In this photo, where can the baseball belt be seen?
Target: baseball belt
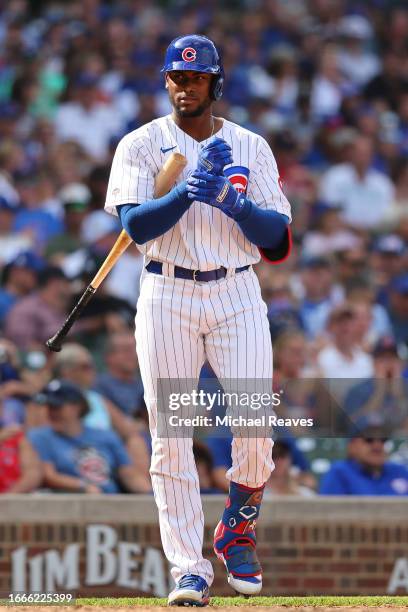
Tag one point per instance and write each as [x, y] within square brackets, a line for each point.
[156, 267]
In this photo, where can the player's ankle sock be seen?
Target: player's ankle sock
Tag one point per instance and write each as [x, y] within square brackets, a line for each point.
[242, 507]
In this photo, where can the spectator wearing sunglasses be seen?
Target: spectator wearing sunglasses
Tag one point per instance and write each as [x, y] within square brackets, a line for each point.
[366, 470]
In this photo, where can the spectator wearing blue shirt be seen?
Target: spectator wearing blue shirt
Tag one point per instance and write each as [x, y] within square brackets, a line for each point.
[76, 365]
[320, 294]
[398, 308]
[19, 278]
[121, 382]
[366, 470]
[77, 458]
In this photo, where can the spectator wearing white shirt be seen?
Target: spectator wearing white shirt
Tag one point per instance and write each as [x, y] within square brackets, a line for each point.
[328, 235]
[343, 357]
[326, 94]
[364, 193]
[87, 120]
[356, 62]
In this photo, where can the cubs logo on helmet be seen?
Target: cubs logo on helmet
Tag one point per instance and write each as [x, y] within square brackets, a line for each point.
[238, 177]
[196, 53]
[189, 54]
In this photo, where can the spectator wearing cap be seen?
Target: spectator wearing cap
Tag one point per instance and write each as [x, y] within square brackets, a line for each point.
[77, 458]
[343, 358]
[363, 193]
[387, 261]
[75, 198]
[383, 396]
[19, 278]
[11, 243]
[20, 467]
[320, 294]
[36, 317]
[366, 470]
[356, 61]
[87, 120]
[75, 364]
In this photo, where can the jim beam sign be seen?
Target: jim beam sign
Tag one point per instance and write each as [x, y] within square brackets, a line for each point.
[108, 562]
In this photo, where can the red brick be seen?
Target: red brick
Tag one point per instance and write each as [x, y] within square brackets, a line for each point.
[290, 581]
[369, 552]
[284, 552]
[345, 568]
[378, 583]
[292, 566]
[318, 583]
[319, 552]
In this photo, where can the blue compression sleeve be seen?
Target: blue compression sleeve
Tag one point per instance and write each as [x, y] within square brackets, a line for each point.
[153, 218]
[265, 228]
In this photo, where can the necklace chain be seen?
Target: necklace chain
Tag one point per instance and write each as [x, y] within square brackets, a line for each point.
[213, 126]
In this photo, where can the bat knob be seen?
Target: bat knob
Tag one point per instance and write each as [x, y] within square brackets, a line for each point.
[53, 345]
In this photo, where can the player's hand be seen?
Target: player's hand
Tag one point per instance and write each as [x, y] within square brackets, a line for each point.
[214, 190]
[214, 156]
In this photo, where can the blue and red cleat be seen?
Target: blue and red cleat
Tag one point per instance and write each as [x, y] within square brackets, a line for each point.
[191, 590]
[235, 540]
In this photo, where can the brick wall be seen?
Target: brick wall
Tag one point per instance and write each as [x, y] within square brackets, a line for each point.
[320, 546]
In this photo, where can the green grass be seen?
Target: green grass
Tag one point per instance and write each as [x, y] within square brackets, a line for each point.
[372, 601]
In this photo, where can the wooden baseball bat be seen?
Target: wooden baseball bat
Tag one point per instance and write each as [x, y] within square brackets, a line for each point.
[165, 180]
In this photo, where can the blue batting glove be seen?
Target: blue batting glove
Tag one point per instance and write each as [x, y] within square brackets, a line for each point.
[214, 156]
[216, 191]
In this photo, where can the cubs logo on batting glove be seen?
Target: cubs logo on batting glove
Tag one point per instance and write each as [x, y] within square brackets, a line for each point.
[216, 191]
[214, 156]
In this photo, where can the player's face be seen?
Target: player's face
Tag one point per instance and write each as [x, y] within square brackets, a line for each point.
[189, 92]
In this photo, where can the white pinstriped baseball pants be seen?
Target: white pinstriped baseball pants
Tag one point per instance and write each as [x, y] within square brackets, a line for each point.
[179, 323]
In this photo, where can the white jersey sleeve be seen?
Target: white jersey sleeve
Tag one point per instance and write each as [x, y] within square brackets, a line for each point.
[132, 175]
[264, 187]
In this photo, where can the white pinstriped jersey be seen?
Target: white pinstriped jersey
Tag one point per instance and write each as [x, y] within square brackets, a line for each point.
[204, 238]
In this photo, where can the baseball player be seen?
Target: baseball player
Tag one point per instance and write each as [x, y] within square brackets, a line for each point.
[200, 299]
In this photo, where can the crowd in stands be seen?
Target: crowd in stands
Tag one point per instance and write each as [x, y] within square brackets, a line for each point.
[326, 83]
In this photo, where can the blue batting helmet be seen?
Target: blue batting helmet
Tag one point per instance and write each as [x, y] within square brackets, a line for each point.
[198, 53]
